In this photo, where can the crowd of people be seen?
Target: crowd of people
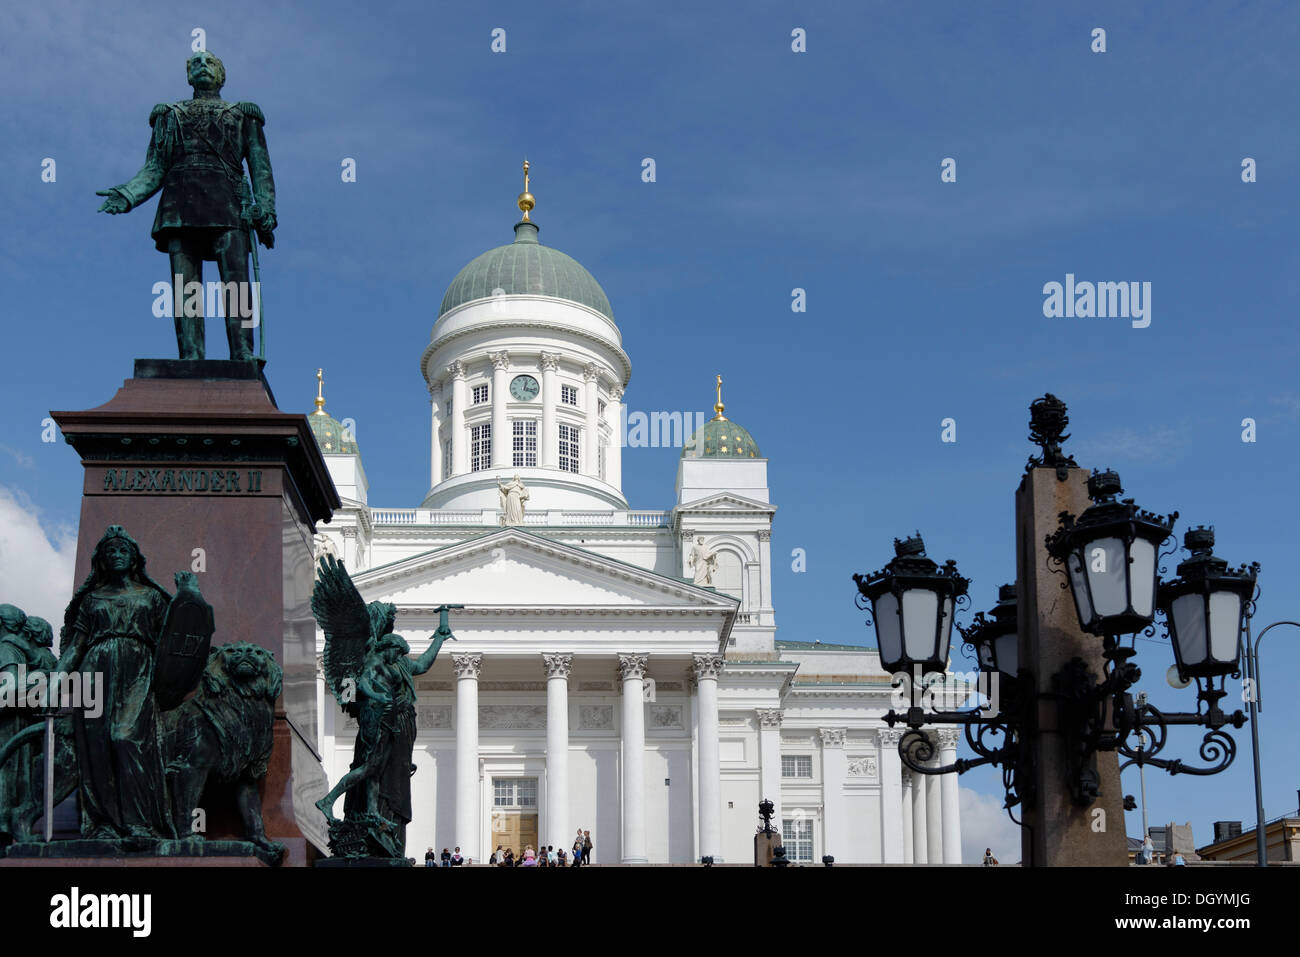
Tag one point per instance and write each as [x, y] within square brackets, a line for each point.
[548, 856]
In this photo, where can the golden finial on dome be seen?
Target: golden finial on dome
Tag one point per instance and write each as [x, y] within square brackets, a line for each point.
[526, 199]
[718, 406]
[320, 392]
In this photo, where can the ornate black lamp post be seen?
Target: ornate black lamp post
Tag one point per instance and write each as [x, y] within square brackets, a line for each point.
[1109, 557]
[912, 600]
[995, 640]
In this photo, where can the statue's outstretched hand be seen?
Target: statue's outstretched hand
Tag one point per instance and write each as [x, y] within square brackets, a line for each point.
[116, 202]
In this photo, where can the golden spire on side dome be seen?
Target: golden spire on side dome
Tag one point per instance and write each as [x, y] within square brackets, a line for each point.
[320, 392]
[526, 199]
[718, 406]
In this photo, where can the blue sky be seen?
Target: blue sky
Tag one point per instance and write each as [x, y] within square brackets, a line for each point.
[775, 170]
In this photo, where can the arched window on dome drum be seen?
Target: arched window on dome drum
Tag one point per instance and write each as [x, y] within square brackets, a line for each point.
[569, 448]
[480, 447]
[446, 459]
[728, 577]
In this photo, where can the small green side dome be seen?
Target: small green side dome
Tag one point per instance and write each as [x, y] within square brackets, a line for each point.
[723, 439]
[331, 436]
[526, 267]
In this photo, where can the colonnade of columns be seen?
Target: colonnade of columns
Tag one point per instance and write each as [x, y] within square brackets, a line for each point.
[555, 828]
[920, 815]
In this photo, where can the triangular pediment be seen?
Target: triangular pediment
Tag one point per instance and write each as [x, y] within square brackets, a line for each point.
[727, 502]
[514, 568]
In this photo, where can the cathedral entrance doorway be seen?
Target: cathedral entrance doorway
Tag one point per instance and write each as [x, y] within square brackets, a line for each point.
[514, 814]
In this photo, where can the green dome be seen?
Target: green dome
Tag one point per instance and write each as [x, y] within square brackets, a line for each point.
[332, 438]
[721, 439]
[526, 267]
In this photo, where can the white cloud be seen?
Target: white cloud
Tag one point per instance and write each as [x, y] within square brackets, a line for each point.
[985, 824]
[1158, 445]
[23, 459]
[36, 566]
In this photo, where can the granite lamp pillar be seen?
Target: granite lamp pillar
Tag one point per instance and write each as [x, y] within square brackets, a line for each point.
[1057, 831]
[196, 462]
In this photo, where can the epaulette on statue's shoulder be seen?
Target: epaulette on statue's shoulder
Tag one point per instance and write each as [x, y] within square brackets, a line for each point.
[251, 109]
[158, 111]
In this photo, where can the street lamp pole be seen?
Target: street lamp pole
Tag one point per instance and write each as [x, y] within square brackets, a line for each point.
[1256, 705]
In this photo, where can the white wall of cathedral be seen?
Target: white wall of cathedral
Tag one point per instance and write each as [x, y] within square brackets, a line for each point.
[700, 478]
[349, 477]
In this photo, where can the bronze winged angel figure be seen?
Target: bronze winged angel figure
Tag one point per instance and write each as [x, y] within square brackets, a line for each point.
[369, 671]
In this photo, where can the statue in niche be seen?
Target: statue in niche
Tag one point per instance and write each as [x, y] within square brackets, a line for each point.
[703, 562]
[371, 674]
[513, 495]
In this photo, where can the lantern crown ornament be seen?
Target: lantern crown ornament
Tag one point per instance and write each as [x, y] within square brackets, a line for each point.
[1048, 418]
[1205, 608]
[912, 601]
[1109, 554]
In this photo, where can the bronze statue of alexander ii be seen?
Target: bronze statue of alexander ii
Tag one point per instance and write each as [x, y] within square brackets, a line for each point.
[207, 211]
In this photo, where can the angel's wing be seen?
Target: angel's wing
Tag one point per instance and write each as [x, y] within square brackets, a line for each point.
[341, 612]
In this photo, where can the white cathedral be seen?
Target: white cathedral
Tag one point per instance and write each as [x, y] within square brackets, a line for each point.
[616, 670]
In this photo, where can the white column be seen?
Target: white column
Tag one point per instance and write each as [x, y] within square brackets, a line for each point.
[591, 436]
[920, 852]
[890, 767]
[435, 443]
[459, 441]
[695, 767]
[769, 758]
[632, 669]
[907, 816]
[934, 814]
[501, 440]
[835, 770]
[550, 438]
[557, 750]
[763, 601]
[707, 669]
[467, 796]
[614, 453]
[948, 789]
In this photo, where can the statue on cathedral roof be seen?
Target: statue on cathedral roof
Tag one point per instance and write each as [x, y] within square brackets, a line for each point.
[513, 495]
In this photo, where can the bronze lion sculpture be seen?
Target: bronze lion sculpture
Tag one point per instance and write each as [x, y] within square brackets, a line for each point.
[223, 733]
